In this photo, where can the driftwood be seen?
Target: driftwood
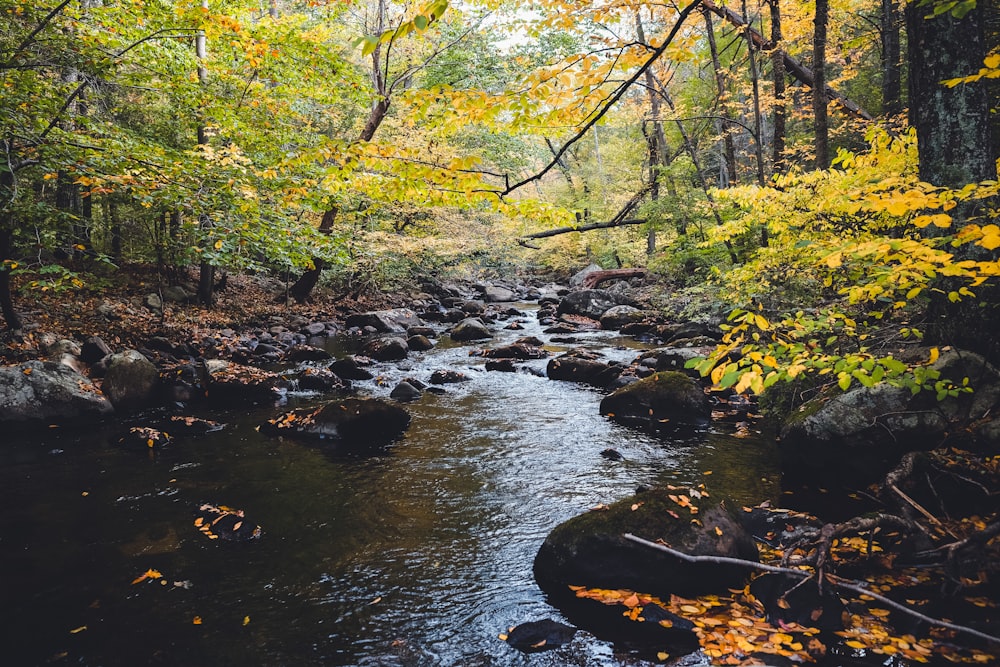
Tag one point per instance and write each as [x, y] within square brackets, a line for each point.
[792, 66]
[594, 279]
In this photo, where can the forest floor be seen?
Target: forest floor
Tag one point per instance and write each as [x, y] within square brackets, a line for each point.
[115, 310]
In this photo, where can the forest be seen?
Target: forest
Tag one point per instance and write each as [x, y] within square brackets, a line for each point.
[804, 193]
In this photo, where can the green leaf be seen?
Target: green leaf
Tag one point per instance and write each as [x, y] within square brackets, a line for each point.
[421, 22]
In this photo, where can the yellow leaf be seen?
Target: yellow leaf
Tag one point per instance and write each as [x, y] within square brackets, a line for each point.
[834, 260]
[502, 636]
[935, 353]
[718, 531]
[661, 656]
[992, 61]
[246, 621]
[77, 630]
[196, 620]
[761, 322]
[218, 244]
[854, 644]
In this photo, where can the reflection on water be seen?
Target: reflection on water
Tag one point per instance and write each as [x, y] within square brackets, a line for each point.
[419, 556]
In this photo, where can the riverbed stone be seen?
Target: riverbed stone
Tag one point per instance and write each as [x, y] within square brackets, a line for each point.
[237, 383]
[405, 392]
[448, 377]
[616, 317]
[322, 379]
[131, 381]
[501, 365]
[664, 398]
[497, 294]
[302, 352]
[577, 279]
[370, 422]
[583, 366]
[471, 328]
[394, 320]
[350, 368]
[589, 550]
[387, 348]
[590, 303]
[419, 343]
[93, 350]
[42, 392]
[543, 635]
[518, 350]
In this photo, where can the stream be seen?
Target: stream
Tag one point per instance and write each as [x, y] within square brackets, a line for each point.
[420, 555]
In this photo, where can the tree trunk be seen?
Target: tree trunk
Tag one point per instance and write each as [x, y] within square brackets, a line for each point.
[778, 78]
[820, 124]
[758, 138]
[892, 103]
[729, 150]
[656, 141]
[953, 126]
[303, 287]
[10, 315]
[115, 223]
[206, 273]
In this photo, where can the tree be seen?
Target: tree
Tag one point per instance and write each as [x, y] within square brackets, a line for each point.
[820, 125]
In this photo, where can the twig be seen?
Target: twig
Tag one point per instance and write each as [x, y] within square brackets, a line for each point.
[846, 584]
[917, 506]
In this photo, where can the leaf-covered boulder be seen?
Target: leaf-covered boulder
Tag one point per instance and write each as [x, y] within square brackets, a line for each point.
[349, 368]
[543, 635]
[237, 383]
[131, 381]
[616, 317]
[395, 320]
[364, 421]
[38, 392]
[589, 550]
[664, 398]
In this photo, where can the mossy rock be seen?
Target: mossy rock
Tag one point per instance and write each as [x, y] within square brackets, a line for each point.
[369, 422]
[662, 399]
[590, 550]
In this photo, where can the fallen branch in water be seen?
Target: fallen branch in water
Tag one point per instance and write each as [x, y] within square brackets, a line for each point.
[846, 584]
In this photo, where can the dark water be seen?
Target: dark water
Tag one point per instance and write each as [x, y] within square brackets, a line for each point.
[419, 556]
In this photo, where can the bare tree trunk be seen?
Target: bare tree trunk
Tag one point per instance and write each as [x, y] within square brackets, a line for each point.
[656, 140]
[778, 77]
[729, 150]
[10, 314]
[206, 273]
[115, 227]
[820, 123]
[758, 139]
[892, 103]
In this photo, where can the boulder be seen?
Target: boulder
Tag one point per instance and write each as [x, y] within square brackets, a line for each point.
[364, 421]
[322, 379]
[582, 274]
[422, 330]
[616, 317]
[543, 635]
[43, 392]
[583, 366]
[591, 303]
[405, 392]
[419, 343]
[674, 358]
[589, 550]
[496, 294]
[471, 328]
[131, 381]
[501, 365]
[176, 294]
[664, 398]
[388, 348]
[518, 350]
[395, 320]
[349, 369]
[301, 352]
[448, 377]
[236, 383]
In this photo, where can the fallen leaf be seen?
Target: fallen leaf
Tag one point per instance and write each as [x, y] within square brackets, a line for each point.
[77, 630]
[246, 621]
[539, 644]
[196, 620]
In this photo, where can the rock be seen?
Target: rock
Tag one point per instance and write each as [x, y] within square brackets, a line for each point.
[589, 550]
[472, 307]
[349, 369]
[674, 358]
[684, 330]
[364, 421]
[583, 366]
[496, 294]
[176, 294]
[301, 352]
[388, 348]
[668, 397]
[93, 350]
[419, 343]
[405, 392]
[470, 329]
[395, 320]
[219, 522]
[424, 331]
[516, 351]
[194, 425]
[612, 454]
[145, 437]
[314, 329]
[541, 635]
[38, 392]
[237, 383]
[131, 381]
[448, 377]
[502, 365]
[153, 302]
[591, 303]
[616, 317]
[322, 379]
[581, 275]
[74, 363]
[57, 348]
